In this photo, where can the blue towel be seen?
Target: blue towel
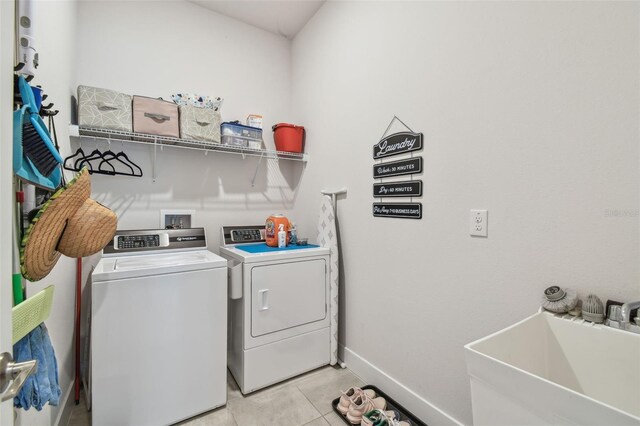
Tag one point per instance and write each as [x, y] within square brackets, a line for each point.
[41, 387]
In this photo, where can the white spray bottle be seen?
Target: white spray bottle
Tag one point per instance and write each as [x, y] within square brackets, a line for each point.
[282, 236]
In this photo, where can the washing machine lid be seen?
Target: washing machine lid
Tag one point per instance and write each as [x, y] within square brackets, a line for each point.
[121, 267]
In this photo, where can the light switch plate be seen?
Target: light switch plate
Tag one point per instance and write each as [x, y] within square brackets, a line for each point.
[478, 223]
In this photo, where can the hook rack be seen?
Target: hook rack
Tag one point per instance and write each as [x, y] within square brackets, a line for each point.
[45, 110]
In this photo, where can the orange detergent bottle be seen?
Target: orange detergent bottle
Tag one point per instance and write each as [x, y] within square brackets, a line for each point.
[272, 226]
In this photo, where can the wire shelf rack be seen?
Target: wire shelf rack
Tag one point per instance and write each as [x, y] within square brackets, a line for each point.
[164, 141]
[155, 141]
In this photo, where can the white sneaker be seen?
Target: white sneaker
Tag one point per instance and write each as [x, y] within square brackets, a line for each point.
[363, 404]
[348, 396]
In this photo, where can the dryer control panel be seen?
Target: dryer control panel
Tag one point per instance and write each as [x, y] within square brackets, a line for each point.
[243, 234]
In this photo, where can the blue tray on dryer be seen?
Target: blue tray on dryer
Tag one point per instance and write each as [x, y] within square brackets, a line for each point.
[263, 248]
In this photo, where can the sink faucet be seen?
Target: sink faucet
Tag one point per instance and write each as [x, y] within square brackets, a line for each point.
[620, 317]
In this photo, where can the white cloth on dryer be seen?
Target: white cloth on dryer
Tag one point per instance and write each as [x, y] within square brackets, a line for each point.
[328, 237]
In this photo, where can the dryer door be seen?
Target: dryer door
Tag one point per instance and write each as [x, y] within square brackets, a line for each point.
[287, 295]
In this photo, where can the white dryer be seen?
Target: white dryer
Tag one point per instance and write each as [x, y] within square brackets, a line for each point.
[158, 328]
[278, 308]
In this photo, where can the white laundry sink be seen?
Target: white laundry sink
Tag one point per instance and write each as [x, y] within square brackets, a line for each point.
[552, 369]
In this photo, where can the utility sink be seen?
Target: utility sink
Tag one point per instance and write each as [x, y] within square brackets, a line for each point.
[555, 369]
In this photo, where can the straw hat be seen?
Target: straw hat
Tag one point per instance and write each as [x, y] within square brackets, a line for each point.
[70, 223]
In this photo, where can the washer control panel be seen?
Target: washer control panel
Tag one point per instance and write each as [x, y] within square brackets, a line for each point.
[141, 240]
[137, 241]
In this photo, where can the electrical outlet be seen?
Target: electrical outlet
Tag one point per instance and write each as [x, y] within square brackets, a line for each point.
[478, 224]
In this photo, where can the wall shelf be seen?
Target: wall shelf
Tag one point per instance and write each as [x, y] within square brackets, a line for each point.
[164, 141]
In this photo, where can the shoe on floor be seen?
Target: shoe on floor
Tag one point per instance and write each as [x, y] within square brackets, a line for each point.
[348, 396]
[378, 417]
[383, 418]
[363, 404]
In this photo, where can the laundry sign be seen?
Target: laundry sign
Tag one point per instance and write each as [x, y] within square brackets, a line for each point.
[399, 210]
[397, 168]
[412, 188]
[397, 143]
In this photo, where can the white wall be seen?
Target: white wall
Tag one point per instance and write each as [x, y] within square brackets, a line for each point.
[162, 47]
[529, 110]
[56, 25]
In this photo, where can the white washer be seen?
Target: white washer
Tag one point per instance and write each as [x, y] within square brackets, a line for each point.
[278, 308]
[158, 328]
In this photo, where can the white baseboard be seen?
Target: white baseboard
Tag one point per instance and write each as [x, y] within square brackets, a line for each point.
[64, 415]
[413, 402]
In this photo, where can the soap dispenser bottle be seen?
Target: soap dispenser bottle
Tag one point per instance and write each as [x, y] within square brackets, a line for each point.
[293, 235]
[282, 236]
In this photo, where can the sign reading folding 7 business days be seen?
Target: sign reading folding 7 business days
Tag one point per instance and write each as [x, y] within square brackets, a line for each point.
[397, 143]
[399, 210]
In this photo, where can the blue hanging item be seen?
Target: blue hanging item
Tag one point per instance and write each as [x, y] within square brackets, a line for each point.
[42, 387]
[35, 158]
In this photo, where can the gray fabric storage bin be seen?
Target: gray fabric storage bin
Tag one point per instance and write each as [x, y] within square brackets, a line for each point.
[104, 109]
[200, 124]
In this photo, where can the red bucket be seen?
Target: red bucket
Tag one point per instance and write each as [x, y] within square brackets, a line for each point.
[288, 137]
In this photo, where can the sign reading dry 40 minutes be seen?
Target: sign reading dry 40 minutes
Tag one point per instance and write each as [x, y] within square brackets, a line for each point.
[397, 143]
[411, 188]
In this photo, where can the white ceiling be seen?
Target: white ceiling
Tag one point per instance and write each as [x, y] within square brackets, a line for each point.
[282, 17]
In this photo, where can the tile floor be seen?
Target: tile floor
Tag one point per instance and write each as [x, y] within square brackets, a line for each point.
[303, 400]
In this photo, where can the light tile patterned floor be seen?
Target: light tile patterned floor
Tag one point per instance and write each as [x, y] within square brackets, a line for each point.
[302, 401]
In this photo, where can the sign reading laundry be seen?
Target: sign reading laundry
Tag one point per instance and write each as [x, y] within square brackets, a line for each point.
[411, 188]
[397, 143]
[400, 210]
[398, 168]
